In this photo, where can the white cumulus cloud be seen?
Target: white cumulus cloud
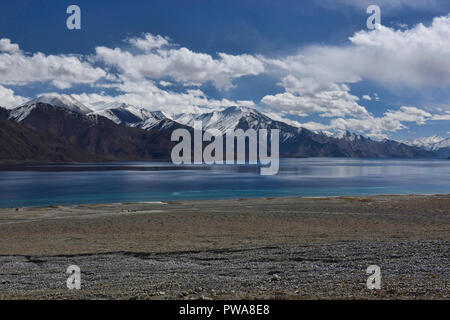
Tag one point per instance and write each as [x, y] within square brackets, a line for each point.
[17, 68]
[9, 99]
[417, 57]
[306, 95]
[391, 121]
[7, 46]
[148, 42]
[147, 95]
[181, 64]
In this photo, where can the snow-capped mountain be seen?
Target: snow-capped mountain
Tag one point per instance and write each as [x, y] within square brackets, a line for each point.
[18, 114]
[233, 118]
[96, 137]
[132, 116]
[221, 120]
[125, 114]
[443, 144]
[226, 119]
[158, 121]
[64, 101]
[432, 143]
[346, 135]
[61, 100]
[66, 117]
[296, 141]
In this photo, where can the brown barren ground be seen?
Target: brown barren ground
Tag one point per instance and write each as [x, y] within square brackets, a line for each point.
[283, 248]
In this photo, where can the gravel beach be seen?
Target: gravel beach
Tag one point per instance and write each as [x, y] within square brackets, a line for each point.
[276, 248]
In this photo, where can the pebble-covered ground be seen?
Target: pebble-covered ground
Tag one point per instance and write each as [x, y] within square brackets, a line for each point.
[315, 260]
[410, 270]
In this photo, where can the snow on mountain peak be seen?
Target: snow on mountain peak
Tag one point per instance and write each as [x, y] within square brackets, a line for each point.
[130, 115]
[65, 101]
[223, 120]
[60, 100]
[18, 114]
[347, 135]
[432, 143]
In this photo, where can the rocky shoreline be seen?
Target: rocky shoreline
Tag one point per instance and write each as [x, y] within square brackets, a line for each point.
[292, 248]
[334, 270]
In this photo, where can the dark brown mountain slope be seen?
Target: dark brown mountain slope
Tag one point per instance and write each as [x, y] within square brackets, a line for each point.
[19, 143]
[98, 135]
[4, 113]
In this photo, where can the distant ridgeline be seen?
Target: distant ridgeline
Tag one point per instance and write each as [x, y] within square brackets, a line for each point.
[58, 128]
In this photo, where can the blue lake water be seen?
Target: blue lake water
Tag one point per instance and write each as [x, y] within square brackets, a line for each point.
[162, 181]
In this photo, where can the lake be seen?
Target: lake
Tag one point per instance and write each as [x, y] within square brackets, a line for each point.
[163, 181]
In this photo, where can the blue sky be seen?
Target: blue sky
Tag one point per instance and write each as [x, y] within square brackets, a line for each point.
[291, 59]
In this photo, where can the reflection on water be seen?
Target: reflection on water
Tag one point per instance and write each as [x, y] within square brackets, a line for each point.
[162, 181]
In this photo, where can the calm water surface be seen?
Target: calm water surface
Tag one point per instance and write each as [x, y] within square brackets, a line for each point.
[162, 181]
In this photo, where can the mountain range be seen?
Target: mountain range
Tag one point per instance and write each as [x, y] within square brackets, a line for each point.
[129, 115]
[301, 142]
[99, 138]
[439, 145]
[19, 143]
[120, 131]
